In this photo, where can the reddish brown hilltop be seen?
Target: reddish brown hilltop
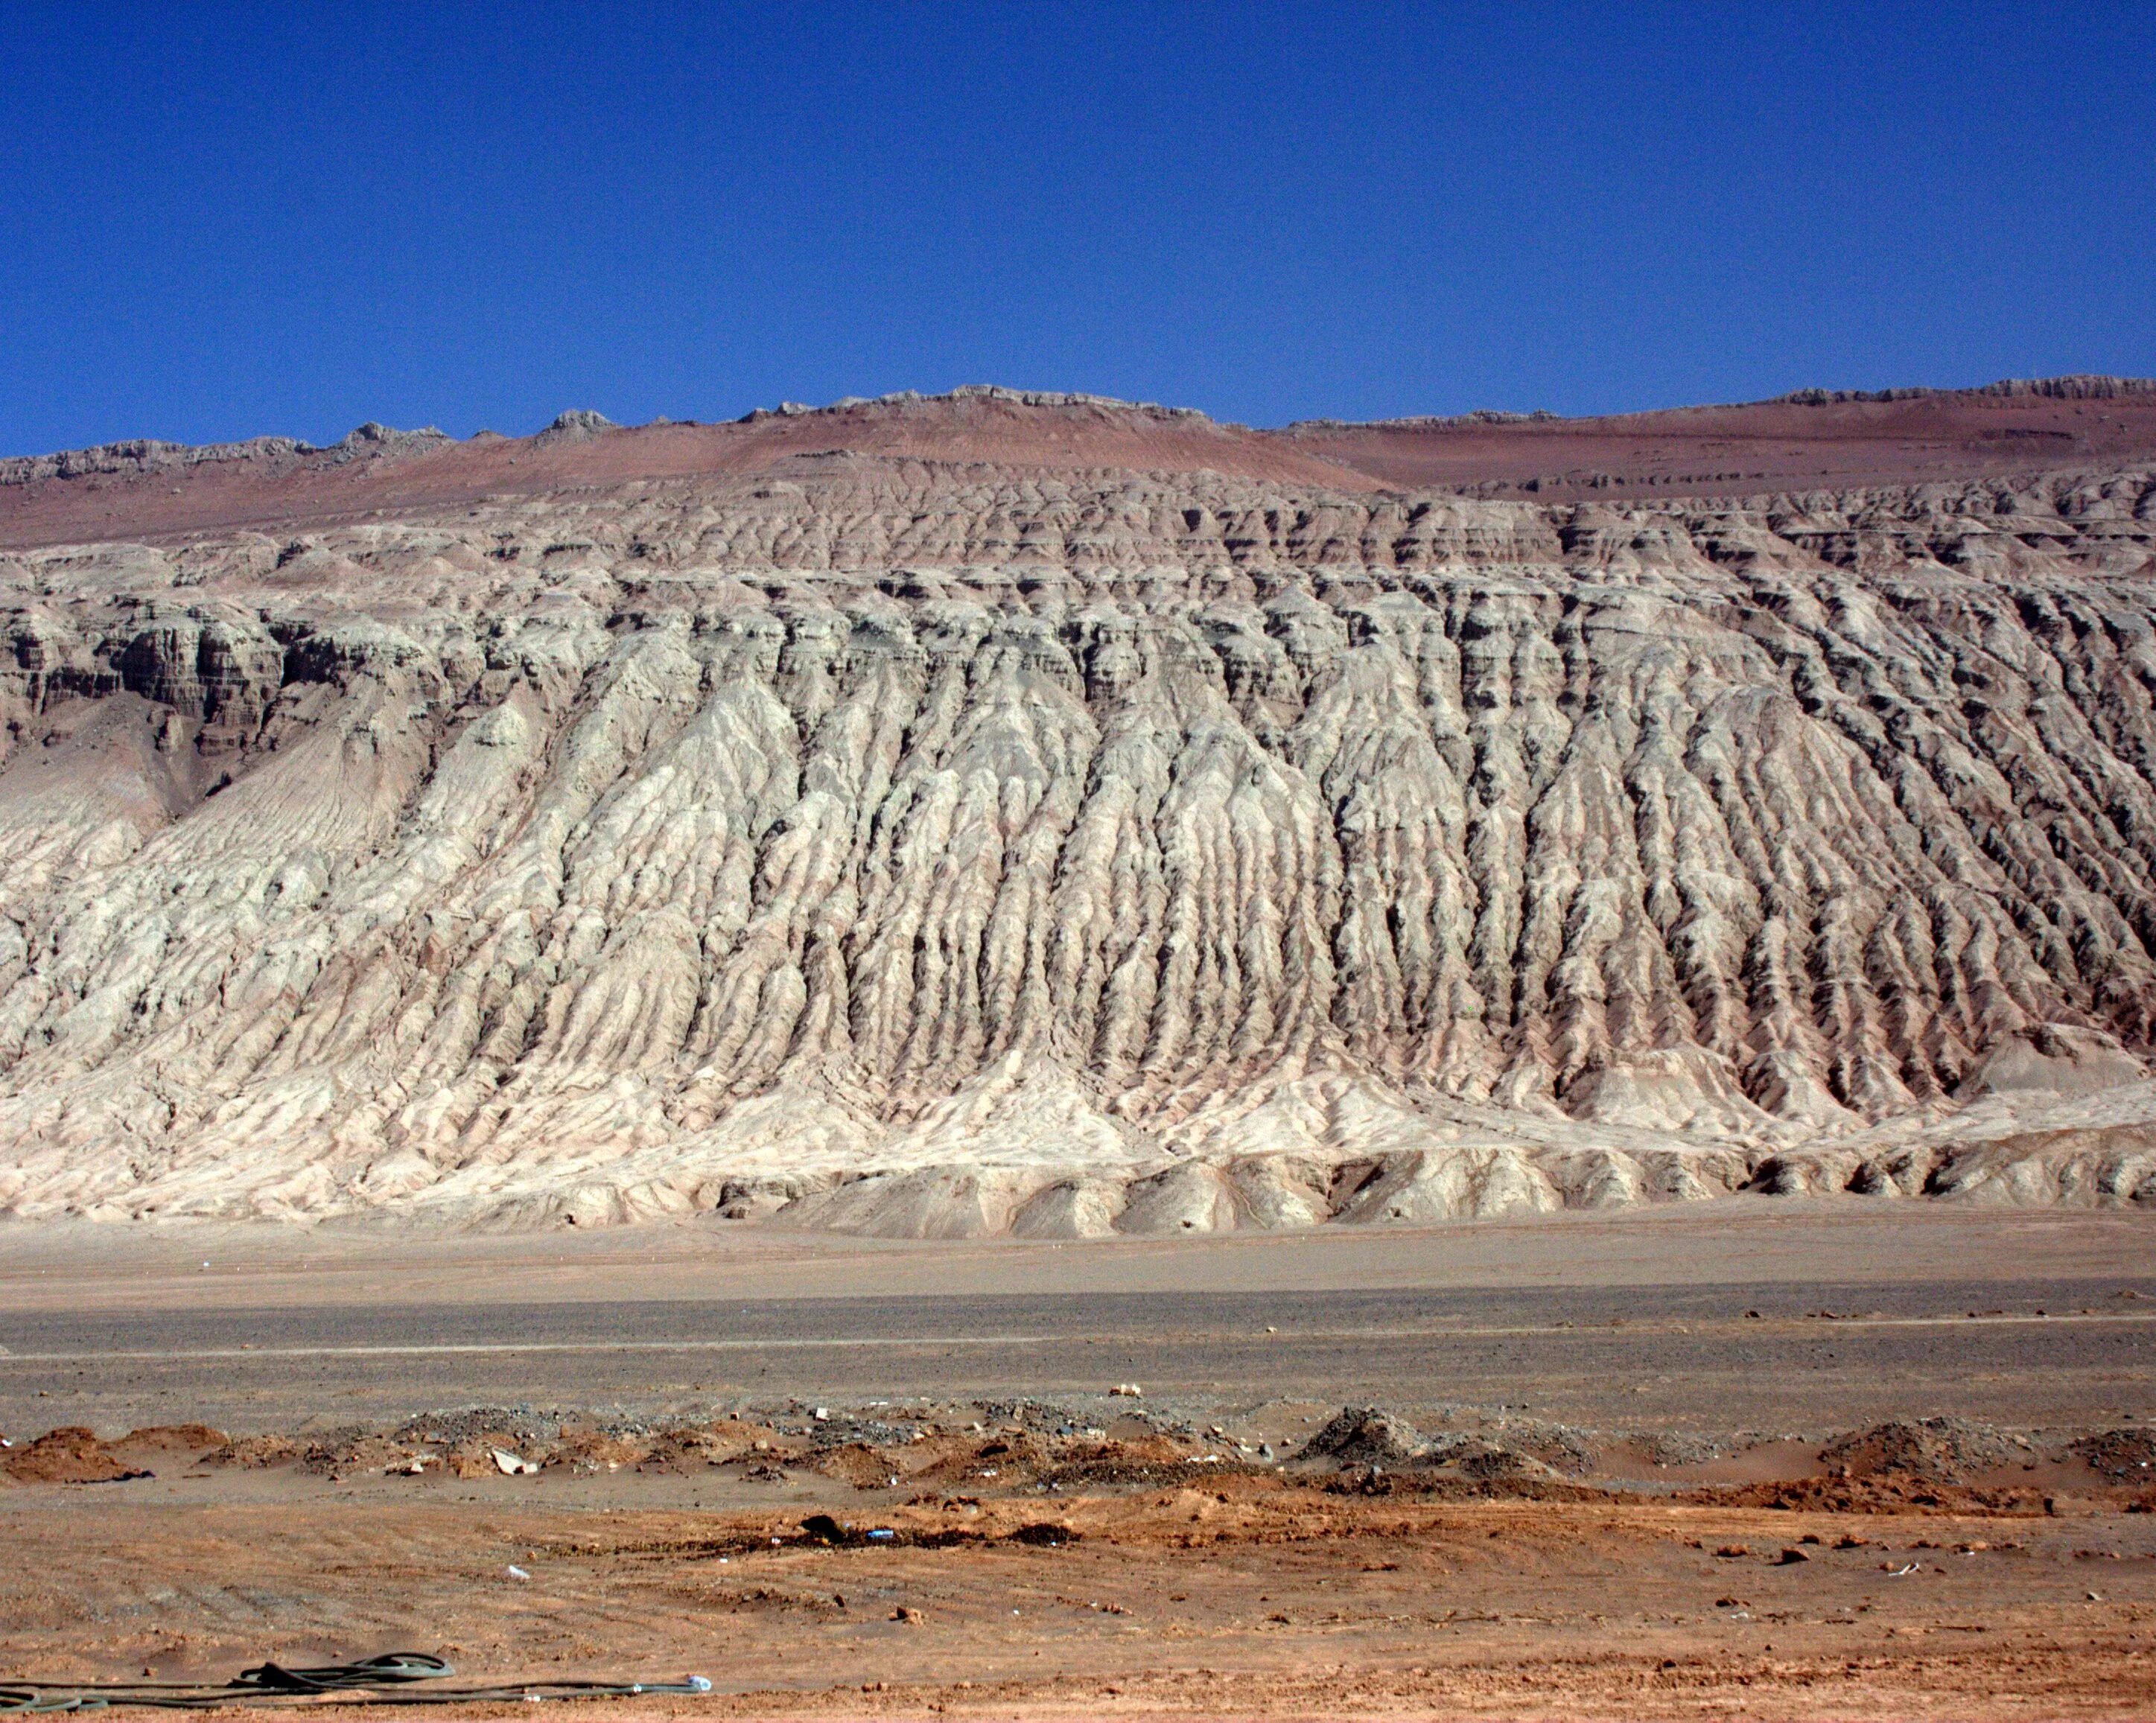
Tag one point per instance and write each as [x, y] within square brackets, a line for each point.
[1809, 441]
[150, 488]
[1813, 439]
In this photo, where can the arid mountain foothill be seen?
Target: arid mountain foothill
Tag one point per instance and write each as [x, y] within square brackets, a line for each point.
[1030, 814]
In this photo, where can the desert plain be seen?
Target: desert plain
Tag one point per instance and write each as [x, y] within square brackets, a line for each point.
[1546, 1468]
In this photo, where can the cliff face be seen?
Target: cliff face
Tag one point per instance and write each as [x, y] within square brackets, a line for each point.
[1082, 849]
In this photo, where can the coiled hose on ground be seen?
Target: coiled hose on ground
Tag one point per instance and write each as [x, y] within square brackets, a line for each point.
[374, 1681]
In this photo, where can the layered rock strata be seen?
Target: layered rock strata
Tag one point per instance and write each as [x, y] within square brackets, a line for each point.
[936, 849]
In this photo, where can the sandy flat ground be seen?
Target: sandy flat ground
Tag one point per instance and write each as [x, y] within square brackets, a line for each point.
[1243, 1591]
[1635, 1319]
[1787, 1240]
[1688, 1358]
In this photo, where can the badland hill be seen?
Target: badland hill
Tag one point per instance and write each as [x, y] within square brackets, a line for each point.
[1030, 812]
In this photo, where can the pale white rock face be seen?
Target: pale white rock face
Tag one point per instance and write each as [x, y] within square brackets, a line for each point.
[950, 852]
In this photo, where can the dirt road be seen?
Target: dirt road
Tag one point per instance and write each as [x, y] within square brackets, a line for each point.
[1689, 1357]
[1637, 1320]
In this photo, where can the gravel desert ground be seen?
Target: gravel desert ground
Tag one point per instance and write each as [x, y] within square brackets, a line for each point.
[1588, 1458]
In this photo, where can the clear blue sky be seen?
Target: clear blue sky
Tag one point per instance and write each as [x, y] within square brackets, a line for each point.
[220, 221]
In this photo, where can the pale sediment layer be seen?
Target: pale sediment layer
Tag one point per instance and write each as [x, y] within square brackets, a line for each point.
[952, 849]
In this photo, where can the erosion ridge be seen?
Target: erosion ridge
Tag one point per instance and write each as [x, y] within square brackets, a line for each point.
[961, 833]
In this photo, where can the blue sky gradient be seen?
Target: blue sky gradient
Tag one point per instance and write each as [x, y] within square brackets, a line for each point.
[219, 221]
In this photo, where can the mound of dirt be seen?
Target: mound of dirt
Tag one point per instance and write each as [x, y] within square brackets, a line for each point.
[1472, 1457]
[1501, 1482]
[1932, 1450]
[256, 1452]
[859, 1464]
[2123, 1456]
[1365, 1436]
[1144, 1459]
[1887, 1493]
[72, 1454]
[347, 1452]
[1007, 1457]
[590, 1450]
[681, 1449]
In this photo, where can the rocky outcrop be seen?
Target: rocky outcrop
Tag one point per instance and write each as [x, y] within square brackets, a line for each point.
[943, 850]
[149, 458]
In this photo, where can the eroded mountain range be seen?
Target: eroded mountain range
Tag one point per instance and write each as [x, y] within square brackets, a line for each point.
[1031, 813]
